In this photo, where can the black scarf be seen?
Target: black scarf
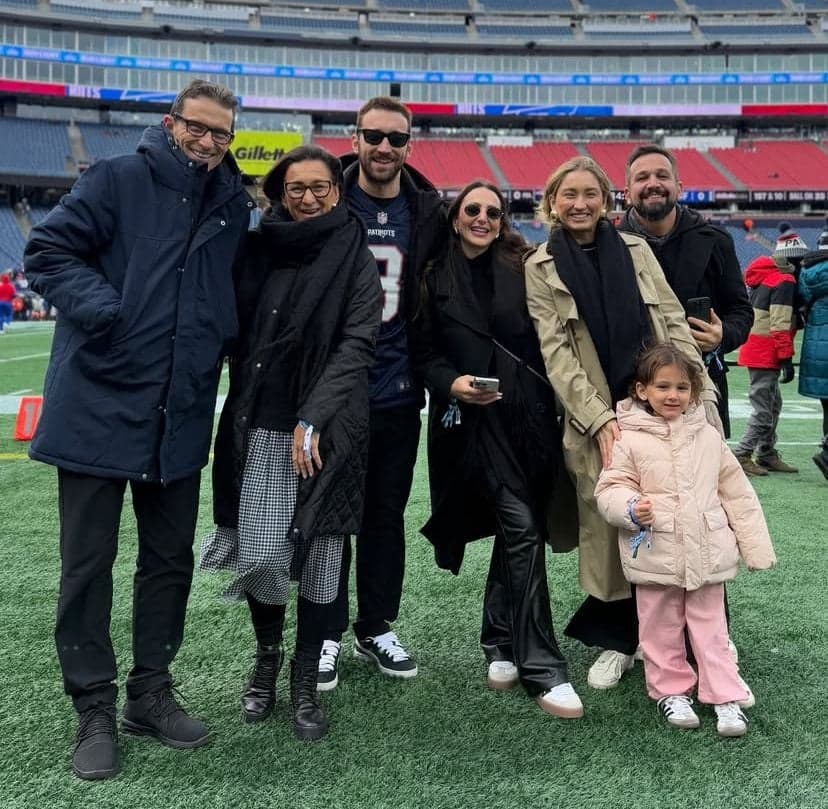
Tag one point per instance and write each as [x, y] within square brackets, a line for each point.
[608, 300]
[326, 249]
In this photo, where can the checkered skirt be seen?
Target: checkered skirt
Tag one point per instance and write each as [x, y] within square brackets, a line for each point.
[260, 553]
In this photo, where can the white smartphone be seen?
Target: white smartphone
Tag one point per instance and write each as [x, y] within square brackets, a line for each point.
[489, 384]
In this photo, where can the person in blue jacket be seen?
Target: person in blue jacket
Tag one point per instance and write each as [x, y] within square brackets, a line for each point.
[813, 363]
[138, 260]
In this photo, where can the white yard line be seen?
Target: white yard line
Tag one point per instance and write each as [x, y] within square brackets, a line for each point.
[25, 357]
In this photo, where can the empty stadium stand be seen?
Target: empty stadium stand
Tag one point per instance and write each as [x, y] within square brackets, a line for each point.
[41, 148]
[108, 141]
[780, 164]
[11, 239]
[450, 163]
[529, 166]
[612, 157]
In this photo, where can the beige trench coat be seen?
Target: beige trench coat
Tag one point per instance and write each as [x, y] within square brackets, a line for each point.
[574, 370]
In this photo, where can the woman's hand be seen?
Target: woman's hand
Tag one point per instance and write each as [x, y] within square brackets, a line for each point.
[463, 391]
[302, 463]
[606, 437]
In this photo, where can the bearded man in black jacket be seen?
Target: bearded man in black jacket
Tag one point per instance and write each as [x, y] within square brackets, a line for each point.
[698, 258]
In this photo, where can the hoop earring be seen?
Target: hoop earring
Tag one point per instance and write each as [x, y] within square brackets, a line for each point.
[553, 217]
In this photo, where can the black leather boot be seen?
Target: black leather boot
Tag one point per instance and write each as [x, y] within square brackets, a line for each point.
[259, 697]
[309, 721]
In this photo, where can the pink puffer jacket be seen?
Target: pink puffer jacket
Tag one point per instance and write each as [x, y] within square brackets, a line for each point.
[706, 512]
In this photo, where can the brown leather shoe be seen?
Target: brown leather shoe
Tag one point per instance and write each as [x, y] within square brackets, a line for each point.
[750, 468]
[774, 463]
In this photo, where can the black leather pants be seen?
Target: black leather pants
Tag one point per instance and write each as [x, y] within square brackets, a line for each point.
[517, 619]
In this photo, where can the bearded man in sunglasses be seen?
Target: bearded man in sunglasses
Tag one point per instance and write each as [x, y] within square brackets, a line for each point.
[138, 260]
[403, 214]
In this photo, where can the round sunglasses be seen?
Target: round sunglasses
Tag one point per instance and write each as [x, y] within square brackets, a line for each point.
[473, 210]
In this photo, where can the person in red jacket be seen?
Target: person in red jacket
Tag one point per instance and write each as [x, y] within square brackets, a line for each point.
[7, 295]
[768, 356]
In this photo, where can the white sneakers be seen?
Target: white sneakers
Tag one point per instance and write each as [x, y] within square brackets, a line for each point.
[561, 701]
[503, 675]
[607, 670]
[678, 711]
[730, 720]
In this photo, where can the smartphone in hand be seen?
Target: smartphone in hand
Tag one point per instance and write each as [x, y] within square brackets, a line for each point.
[698, 308]
[489, 384]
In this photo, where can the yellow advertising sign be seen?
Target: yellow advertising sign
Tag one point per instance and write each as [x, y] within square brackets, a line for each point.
[256, 151]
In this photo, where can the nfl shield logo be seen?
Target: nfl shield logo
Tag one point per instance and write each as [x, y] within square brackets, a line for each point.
[382, 217]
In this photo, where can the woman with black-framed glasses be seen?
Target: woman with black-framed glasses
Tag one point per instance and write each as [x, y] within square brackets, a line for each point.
[290, 451]
[493, 439]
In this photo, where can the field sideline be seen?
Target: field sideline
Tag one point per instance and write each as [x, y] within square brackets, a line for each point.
[442, 740]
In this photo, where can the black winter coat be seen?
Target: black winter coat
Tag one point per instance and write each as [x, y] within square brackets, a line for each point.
[138, 260]
[699, 260]
[451, 336]
[321, 338]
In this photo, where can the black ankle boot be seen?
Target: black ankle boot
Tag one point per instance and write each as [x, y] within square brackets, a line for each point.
[259, 697]
[309, 720]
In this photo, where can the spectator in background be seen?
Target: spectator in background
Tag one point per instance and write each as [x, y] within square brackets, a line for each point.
[7, 295]
[813, 365]
[138, 259]
[768, 355]
[697, 256]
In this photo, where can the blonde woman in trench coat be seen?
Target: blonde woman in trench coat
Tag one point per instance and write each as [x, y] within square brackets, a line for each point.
[588, 273]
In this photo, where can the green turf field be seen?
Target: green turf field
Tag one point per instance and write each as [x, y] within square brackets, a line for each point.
[442, 740]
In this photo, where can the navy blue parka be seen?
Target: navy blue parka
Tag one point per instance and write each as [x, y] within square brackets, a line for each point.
[138, 259]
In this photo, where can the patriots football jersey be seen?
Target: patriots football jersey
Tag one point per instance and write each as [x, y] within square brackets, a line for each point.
[388, 222]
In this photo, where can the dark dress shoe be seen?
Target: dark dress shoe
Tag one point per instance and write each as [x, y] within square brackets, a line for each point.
[259, 697]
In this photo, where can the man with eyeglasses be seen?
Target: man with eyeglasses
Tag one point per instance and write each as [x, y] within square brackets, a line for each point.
[403, 214]
[138, 260]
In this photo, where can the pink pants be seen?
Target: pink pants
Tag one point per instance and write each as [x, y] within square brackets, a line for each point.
[663, 612]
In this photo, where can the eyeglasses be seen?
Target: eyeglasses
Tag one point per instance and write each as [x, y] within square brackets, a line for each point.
[374, 137]
[473, 210]
[320, 189]
[221, 137]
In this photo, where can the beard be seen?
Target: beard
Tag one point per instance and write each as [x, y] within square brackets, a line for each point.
[655, 212]
[390, 173]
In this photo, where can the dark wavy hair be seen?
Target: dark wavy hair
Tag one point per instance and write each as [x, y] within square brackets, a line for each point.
[510, 246]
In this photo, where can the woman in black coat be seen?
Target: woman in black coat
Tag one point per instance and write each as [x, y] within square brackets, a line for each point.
[493, 452]
[289, 468]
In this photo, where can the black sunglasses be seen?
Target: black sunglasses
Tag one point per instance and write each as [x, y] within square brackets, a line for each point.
[221, 137]
[473, 209]
[374, 137]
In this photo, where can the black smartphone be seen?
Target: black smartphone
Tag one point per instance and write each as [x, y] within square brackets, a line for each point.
[699, 308]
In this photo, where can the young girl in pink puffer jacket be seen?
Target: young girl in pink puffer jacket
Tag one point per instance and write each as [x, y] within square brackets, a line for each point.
[686, 513]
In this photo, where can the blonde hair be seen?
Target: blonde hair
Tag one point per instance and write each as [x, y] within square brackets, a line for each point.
[544, 211]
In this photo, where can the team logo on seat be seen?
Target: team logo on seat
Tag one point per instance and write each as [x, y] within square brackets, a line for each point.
[382, 217]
